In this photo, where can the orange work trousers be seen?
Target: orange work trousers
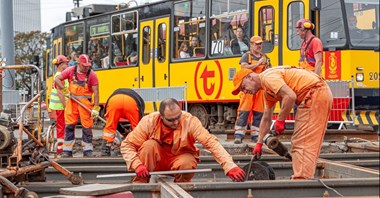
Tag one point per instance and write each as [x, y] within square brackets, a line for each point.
[158, 157]
[309, 130]
[73, 110]
[250, 111]
[120, 106]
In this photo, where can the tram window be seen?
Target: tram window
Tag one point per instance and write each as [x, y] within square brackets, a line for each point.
[332, 31]
[124, 22]
[124, 39]
[229, 24]
[74, 37]
[363, 23]
[295, 12]
[98, 52]
[190, 26]
[124, 50]
[98, 30]
[266, 27]
[161, 48]
[146, 45]
[116, 23]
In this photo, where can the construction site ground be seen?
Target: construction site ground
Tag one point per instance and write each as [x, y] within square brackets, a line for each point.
[348, 166]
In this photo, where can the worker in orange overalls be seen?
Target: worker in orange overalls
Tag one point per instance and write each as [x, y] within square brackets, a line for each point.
[249, 104]
[123, 103]
[58, 102]
[83, 83]
[165, 140]
[292, 85]
[311, 56]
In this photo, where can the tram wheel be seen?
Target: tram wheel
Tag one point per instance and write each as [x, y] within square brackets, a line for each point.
[200, 111]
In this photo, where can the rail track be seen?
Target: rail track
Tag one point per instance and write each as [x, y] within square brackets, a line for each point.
[332, 135]
[353, 174]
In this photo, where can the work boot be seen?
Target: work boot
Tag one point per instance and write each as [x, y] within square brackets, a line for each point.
[66, 154]
[106, 148]
[87, 153]
[254, 139]
[238, 140]
[254, 134]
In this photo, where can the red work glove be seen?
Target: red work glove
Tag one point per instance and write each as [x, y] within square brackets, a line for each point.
[236, 174]
[142, 171]
[279, 127]
[257, 150]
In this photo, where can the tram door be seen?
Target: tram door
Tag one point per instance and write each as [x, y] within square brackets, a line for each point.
[154, 50]
[57, 50]
[292, 12]
[266, 22]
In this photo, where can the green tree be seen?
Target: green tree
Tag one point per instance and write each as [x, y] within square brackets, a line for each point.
[27, 46]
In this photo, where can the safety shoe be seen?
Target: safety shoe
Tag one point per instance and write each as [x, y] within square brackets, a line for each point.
[238, 140]
[87, 154]
[106, 149]
[66, 154]
[254, 139]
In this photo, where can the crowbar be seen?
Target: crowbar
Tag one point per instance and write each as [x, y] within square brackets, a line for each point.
[85, 107]
[157, 173]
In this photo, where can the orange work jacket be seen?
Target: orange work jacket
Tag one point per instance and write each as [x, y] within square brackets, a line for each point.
[189, 130]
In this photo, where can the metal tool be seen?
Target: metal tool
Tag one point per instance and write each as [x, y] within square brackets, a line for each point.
[85, 107]
[274, 143]
[253, 157]
[249, 168]
[157, 173]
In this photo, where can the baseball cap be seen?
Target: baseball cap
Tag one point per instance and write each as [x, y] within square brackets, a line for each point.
[256, 39]
[238, 79]
[85, 60]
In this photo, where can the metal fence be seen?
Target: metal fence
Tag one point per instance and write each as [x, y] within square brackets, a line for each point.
[11, 96]
[10, 100]
[158, 94]
[343, 104]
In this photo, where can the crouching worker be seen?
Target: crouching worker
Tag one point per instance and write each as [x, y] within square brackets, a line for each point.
[123, 103]
[164, 141]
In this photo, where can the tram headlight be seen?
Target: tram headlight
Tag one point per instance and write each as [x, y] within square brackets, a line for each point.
[359, 77]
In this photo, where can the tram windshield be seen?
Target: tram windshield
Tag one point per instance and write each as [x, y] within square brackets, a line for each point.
[359, 26]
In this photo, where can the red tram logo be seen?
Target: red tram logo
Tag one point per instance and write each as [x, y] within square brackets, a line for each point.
[208, 80]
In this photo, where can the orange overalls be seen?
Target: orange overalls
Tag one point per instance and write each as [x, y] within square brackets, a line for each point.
[314, 100]
[307, 60]
[159, 148]
[250, 104]
[80, 91]
[123, 103]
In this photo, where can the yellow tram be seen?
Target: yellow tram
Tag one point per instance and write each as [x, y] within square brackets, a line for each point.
[139, 47]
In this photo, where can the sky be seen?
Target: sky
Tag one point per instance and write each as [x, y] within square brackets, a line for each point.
[53, 12]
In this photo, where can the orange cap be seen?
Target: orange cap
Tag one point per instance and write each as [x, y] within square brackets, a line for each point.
[256, 39]
[238, 79]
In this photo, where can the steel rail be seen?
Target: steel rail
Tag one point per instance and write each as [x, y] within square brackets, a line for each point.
[156, 173]
[349, 187]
